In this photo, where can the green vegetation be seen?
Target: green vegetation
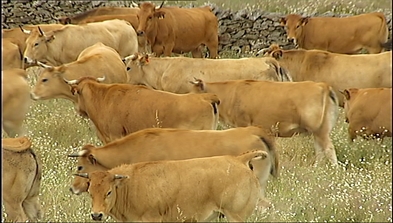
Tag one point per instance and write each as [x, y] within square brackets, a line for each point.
[359, 190]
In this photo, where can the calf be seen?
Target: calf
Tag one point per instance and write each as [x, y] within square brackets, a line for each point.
[185, 190]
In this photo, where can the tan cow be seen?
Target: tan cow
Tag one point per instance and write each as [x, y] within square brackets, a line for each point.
[95, 60]
[15, 100]
[177, 191]
[156, 144]
[178, 30]
[143, 46]
[63, 45]
[97, 12]
[21, 180]
[368, 112]
[12, 58]
[18, 36]
[339, 35]
[174, 73]
[120, 109]
[338, 70]
[287, 108]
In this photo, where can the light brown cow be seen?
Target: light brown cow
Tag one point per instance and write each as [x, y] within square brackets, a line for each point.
[339, 35]
[97, 12]
[18, 36]
[143, 46]
[174, 73]
[21, 180]
[156, 144]
[15, 100]
[177, 191]
[338, 70]
[284, 107]
[178, 30]
[95, 60]
[12, 58]
[120, 109]
[368, 112]
[49, 47]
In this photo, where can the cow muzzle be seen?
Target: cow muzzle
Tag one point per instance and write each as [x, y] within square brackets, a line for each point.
[33, 96]
[140, 32]
[97, 216]
[28, 60]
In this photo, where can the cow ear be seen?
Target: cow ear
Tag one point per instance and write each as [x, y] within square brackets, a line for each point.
[67, 21]
[159, 14]
[74, 90]
[346, 94]
[92, 159]
[283, 21]
[277, 54]
[304, 21]
[50, 38]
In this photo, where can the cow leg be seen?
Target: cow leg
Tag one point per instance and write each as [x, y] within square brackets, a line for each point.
[13, 208]
[324, 147]
[239, 217]
[374, 49]
[13, 128]
[197, 53]
[213, 49]
[32, 208]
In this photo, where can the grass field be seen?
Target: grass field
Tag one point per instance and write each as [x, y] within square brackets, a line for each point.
[359, 190]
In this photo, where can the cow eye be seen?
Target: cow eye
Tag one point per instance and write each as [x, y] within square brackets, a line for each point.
[297, 26]
[45, 80]
[109, 193]
[80, 168]
[35, 44]
[150, 17]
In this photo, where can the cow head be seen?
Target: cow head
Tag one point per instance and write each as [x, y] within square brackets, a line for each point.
[269, 50]
[50, 84]
[199, 86]
[147, 16]
[349, 95]
[36, 45]
[86, 163]
[103, 191]
[294, 24]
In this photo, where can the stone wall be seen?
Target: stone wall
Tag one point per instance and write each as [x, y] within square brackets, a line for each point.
[243, 31]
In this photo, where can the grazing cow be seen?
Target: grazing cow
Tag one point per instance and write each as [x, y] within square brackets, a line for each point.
[338, 70]
[18, 37]
[93, 61]
[156, 144]
[143, 46]
[15, 100]
[12, 58]
[347, 35]
[178, 30]
[174, 73]
[183, 190]
[287, 108]
[368, 112]
[97, 12]
[120, 109]
[49, 47]
[21, 180]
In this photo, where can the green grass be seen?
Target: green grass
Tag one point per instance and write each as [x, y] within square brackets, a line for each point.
[359, 190]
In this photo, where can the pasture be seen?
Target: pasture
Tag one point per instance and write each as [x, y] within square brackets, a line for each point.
[358, 190]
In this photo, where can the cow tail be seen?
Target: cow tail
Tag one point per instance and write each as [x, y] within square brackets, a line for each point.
[35, 187]
[384, 32]
[330, 106]
[282, 74]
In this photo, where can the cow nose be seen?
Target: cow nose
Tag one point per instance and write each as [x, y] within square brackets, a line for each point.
[140, 32]
[96, 216]
[25, 59]
[291, 40]
[128, 68]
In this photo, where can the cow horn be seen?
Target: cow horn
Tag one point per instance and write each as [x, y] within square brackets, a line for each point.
[162, 3]
[117, 176]
[100, 79]
[262, 51]
[78, 154]
[43, 65]
[70, 82]
[129, 57]
[23, 30]
[41, 32]
[85, 175]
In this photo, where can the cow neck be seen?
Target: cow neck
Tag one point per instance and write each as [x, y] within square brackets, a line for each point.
[153, 73]
[292, 61]
[121, 205]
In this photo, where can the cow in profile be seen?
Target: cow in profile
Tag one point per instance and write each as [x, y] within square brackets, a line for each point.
[285, 108]
[61, 46]
[348, 35]
[338, 70]
[174, 73]
[120, 109]
[98, 57]
[184, 190]
[21, 180]
[15, 100]
[368, 112]
[178, 30]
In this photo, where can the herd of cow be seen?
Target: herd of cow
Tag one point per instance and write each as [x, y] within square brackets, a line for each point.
[157, 116]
